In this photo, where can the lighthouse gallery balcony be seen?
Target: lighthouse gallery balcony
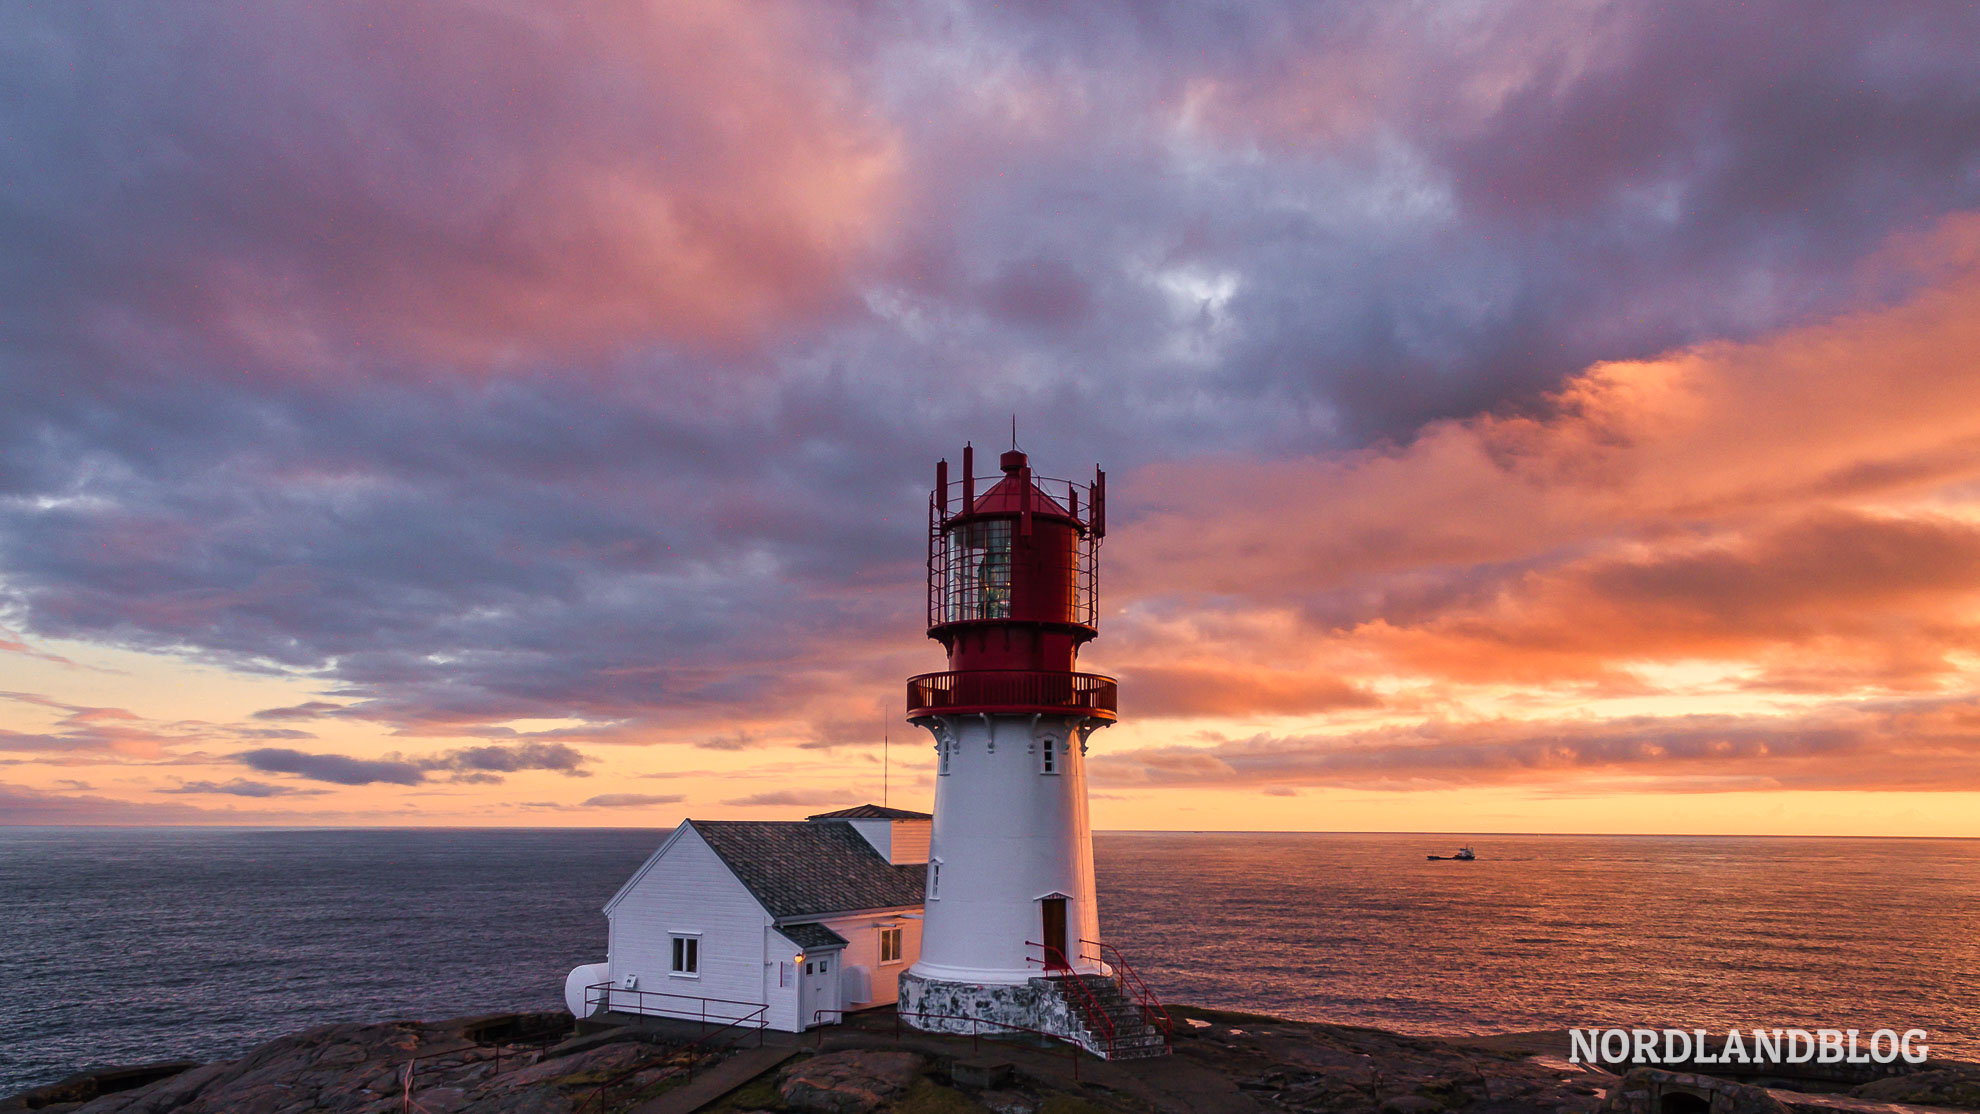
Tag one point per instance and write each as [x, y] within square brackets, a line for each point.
[1048, 692]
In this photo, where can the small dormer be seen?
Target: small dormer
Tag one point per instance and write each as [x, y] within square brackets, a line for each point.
[898, 834]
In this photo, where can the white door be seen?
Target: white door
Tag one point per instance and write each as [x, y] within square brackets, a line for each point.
[818, 989]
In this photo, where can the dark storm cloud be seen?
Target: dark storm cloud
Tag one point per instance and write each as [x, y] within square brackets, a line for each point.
[494, 366]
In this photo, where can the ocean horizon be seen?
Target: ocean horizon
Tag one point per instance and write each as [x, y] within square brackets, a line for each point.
[123, 945]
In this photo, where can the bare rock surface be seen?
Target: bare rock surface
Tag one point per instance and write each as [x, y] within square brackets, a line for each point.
[1300, 1067]
[856, 1081]
[373, 1069]
[1652, 1090]
[1955, 1087]
[1222, 1063]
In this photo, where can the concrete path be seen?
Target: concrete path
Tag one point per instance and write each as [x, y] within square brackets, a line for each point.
[717, 1081]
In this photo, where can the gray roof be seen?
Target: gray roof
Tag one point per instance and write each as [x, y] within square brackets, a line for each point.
[872, 812]
[812, 936]
[803, 868]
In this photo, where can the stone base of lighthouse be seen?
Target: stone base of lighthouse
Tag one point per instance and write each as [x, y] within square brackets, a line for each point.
[939, 1006]
[1086, 1009]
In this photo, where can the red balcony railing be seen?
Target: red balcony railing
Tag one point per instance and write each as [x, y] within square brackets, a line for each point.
[1013, 690]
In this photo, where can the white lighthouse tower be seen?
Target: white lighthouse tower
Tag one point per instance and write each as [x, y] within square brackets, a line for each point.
[1012, 935]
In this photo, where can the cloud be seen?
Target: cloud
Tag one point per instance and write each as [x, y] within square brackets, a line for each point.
[1753, 503]
[336, 769]
[631, 800]
[475, 366]
[790, 798]
[24, 805]
[522, 756]
[241, 787]
[1923, 745]
[310, 709]
[589, 193]
[1159, 690]
[470, 765]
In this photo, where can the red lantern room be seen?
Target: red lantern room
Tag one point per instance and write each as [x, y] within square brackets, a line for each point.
[1013, 579]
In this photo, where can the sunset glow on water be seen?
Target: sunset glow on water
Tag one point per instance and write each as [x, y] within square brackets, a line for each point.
[444, 445]
[246, 935]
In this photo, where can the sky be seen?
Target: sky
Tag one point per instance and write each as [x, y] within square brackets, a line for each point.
[1519, 417]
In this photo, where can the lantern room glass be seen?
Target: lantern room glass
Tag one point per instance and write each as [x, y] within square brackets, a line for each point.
[979, 584]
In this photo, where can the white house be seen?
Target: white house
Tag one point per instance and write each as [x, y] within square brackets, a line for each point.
[787, 922]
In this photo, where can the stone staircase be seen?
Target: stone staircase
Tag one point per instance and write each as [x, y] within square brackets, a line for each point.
[1134, 1036]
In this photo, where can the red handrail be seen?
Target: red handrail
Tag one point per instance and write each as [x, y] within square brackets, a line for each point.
[1090, 1004]
[688, 1067]
[1096, 694]
[1144, 996]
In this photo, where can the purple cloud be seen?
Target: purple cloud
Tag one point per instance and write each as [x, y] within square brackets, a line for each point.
[554, 394]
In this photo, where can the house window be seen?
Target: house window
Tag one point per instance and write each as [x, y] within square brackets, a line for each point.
[890, 945]
[934, 879]
[824, 965]
[807, 968]
[1048, 757]
[687, 956]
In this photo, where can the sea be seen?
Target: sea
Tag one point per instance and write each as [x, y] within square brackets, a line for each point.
[125, 946]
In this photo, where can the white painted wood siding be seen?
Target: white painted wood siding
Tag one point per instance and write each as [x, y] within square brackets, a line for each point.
[910, 841]
[862, 935]
[689, 890]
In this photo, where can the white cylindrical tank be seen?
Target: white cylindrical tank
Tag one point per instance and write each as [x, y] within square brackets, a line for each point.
[1011, 837]
[579, 981]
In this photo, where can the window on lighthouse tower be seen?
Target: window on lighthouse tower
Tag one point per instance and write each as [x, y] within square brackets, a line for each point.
[1048, 757]
[978, 572]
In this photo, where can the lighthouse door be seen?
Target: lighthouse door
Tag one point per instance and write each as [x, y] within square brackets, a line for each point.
[1056, 956]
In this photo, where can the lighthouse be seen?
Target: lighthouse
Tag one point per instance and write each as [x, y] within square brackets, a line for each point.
[1011, 933]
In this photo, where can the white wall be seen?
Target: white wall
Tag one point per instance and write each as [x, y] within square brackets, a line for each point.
[1007, 834]
[689, 889]
[862, 949]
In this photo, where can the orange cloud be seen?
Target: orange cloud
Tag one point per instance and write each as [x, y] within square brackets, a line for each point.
[478, 184]
[1811, 491]
[1926, 746]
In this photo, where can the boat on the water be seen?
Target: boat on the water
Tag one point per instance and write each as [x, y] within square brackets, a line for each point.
[1465, 854]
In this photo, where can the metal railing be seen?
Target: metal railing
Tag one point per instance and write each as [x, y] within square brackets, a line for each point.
[975, 1024]
[1136, 987]
[691, 1050]
[961, 587]
[961, 691]
[1082, 1000]
[608, 996]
